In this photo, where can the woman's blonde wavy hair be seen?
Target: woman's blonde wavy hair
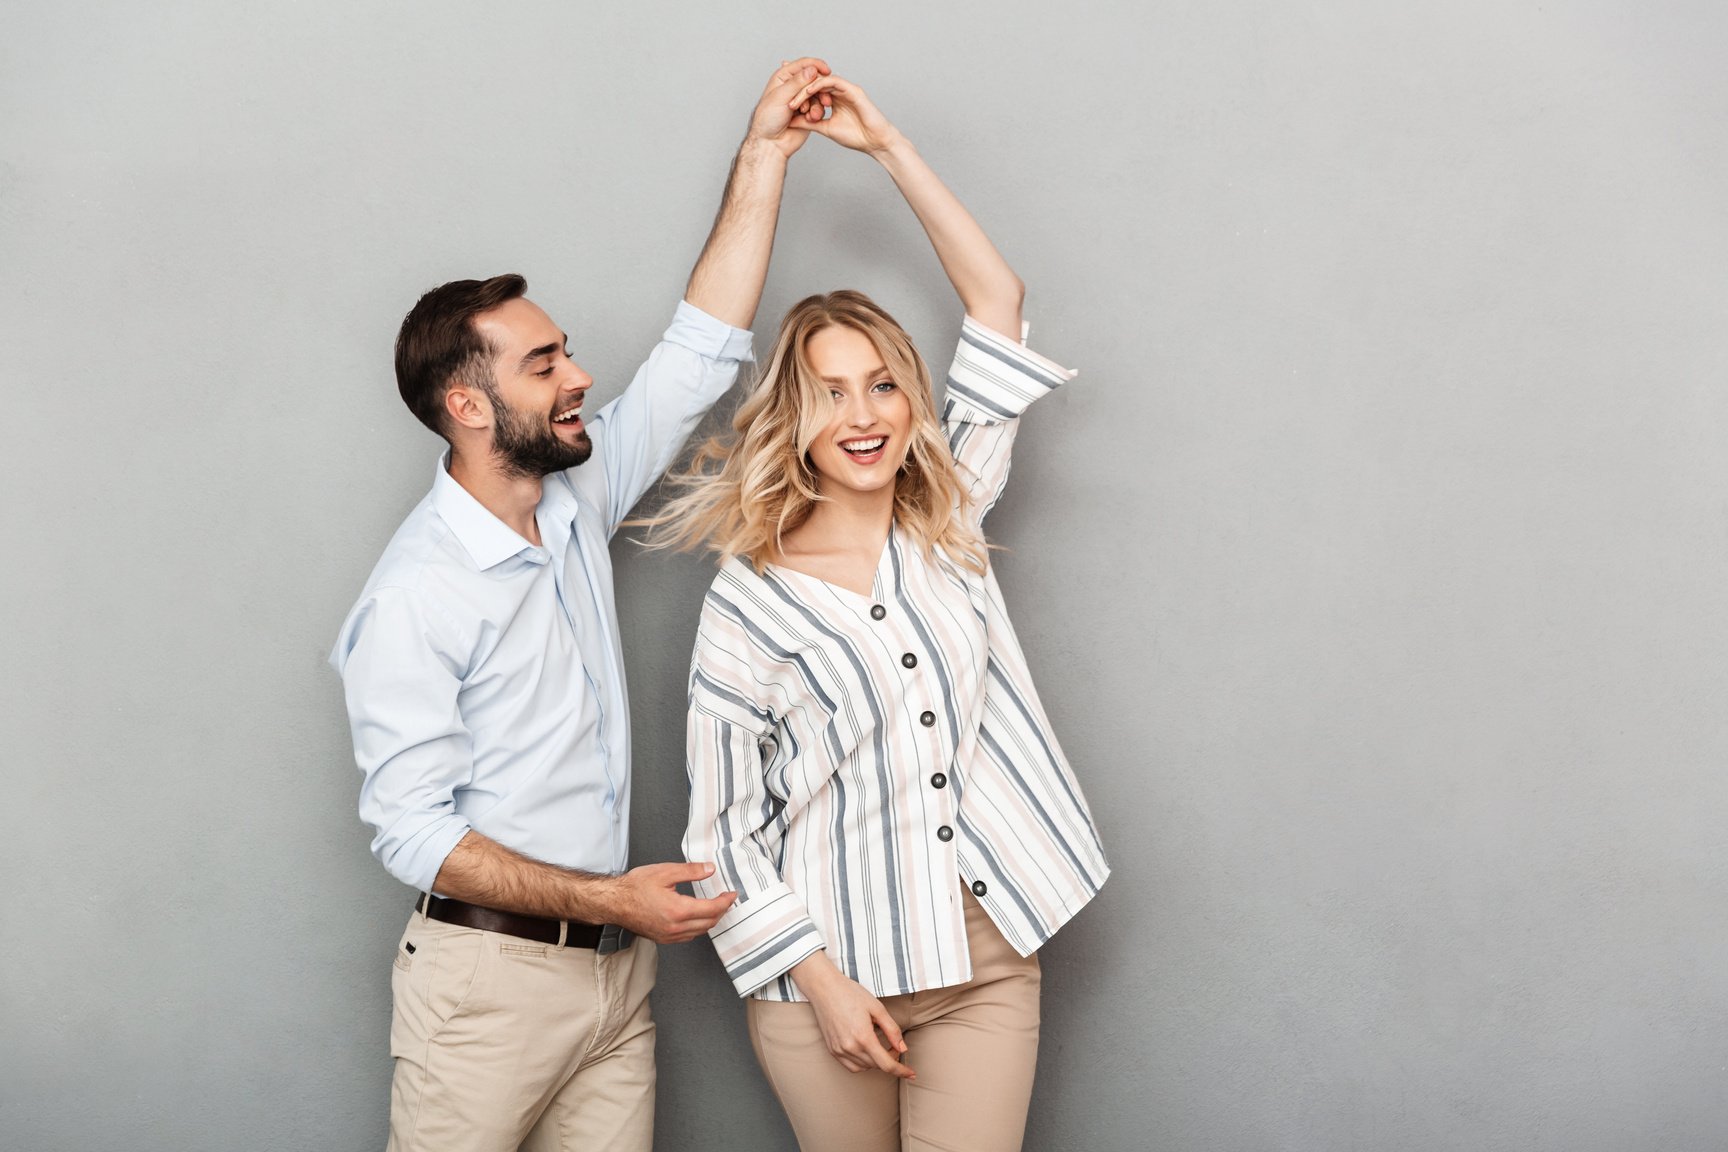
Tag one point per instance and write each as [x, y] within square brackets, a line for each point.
[741, 493]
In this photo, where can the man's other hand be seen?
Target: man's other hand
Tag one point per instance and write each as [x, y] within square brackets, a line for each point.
[646, 900]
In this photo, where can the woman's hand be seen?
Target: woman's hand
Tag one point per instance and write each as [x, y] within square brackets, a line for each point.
[851, 1018]
[987, 286]
[855, 123]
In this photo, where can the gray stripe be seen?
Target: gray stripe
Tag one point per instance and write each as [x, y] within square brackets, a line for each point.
[867, 873]
[931, 652]
[773, 948]
[992, 668]
[978, 401]
[995, 353]
[1040, 929]
[1006, 763]
[878, 735]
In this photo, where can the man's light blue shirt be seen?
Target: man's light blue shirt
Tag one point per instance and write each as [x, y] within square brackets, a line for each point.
[483, 674]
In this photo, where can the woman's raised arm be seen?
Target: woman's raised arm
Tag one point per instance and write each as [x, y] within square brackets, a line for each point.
[988, 288]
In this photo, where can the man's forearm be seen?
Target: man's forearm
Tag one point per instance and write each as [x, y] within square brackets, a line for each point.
[727, 280]
[483, 871]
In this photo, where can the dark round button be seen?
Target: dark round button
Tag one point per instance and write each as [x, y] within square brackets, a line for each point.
[909, 660]
[944, 833]
[877, 611]
[938, 781]
[928, 719]
[979, 887]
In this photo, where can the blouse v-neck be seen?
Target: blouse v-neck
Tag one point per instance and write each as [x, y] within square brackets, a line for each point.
[878, 578]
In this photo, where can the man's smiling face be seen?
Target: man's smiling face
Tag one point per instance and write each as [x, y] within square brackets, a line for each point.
[537, 394]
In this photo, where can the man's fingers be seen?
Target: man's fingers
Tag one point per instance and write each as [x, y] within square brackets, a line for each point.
[709, 910]
[669, 874]
[693, 917]
[792, 67]
[800, 70]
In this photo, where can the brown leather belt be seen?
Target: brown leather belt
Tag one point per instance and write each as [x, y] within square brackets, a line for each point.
[603, 938]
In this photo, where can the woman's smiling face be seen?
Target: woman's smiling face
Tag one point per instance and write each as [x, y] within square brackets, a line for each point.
[862, 446]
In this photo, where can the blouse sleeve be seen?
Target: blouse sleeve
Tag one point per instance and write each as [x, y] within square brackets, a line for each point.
[737, 823]
[992, 381]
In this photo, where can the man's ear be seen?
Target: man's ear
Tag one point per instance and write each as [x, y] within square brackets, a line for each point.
[467, 407]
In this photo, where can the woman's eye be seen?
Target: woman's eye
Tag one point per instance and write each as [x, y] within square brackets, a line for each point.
[834, 394]
[883, 386]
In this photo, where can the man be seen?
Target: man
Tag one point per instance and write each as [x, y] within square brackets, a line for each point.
[485, 689]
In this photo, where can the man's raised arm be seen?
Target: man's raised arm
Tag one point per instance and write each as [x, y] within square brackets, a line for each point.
[727, 280]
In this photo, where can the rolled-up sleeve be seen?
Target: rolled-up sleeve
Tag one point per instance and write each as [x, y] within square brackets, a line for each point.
[736, 823]
[637, 436]
[992, 381]
[400, 677]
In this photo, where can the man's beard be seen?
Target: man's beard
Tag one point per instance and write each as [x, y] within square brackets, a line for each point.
[531, 450]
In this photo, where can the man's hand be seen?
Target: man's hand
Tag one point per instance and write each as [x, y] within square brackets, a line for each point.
[646, 900]
[771, 122]
[855, 1025]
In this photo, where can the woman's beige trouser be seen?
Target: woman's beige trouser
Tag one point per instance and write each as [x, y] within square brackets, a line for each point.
[974, 1047]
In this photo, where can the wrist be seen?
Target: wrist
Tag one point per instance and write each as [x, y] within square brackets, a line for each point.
[601, 900]
[815, 974]
[758, 150]
[894, 150]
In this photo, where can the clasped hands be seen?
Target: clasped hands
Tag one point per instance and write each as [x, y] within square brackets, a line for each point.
[804, 96]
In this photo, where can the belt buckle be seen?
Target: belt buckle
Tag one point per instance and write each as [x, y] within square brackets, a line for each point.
[612, 938]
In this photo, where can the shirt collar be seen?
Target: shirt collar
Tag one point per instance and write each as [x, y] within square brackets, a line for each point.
[488, 540]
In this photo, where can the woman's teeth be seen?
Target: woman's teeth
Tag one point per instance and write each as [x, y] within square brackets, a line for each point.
[864, 447]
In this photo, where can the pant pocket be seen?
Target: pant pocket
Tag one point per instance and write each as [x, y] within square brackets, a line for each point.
[440, 979]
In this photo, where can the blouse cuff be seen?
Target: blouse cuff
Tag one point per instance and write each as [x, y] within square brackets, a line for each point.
[764, 936]
[997, 377]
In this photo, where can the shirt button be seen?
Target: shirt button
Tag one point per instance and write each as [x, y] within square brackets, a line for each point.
[979, 888]
[938, 781]
[909, 660]
[877, 611]
[928, 719]
[944, 833]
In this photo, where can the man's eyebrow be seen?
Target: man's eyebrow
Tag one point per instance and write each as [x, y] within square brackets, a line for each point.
[544, 350]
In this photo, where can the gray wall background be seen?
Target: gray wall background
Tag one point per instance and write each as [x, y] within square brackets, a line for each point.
[1373, 569]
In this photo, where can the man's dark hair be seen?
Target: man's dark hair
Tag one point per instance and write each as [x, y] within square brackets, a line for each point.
[438, 344]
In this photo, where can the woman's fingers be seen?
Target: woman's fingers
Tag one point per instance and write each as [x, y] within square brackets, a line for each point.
[889, 1029]
[822, 87]
[863, 1051]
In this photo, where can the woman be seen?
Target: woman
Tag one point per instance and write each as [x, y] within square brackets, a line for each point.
[870, 768]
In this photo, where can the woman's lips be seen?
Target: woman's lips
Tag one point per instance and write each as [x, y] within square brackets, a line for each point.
[870, 455]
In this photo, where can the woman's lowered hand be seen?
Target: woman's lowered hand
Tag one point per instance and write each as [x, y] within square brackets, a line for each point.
[856, 1027]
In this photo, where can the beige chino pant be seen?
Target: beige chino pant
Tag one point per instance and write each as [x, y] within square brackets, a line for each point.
[501, 1043]
[974, 1047]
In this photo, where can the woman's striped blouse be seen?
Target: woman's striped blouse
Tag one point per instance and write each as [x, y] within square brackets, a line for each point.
[854, 760]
